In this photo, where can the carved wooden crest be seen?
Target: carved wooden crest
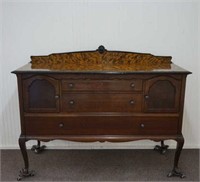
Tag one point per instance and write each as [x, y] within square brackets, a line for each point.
[101, 60]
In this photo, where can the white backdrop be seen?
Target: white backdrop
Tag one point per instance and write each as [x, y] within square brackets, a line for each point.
[43, 27]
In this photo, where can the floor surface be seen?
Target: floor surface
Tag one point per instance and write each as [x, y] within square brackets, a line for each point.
[100, 165]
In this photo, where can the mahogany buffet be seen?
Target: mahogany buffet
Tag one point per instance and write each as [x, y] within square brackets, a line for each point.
[101, 95]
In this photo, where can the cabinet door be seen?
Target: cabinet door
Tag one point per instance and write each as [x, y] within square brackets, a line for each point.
[162, 94]
[41, 94]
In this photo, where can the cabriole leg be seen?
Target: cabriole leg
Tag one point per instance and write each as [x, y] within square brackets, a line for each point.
[175, 171]
[38, 148]
[161, 149]
[25, 171]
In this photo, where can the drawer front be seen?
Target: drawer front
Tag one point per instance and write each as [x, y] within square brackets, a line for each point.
[101, 102]
[102, 85]
[100, 125]
[158, 125]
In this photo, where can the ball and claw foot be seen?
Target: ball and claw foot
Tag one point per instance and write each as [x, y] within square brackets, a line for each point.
[161, 149]
[25, 173]
[38, 149]
[176, 173]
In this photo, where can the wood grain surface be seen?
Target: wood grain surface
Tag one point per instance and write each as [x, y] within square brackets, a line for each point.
[94, 60]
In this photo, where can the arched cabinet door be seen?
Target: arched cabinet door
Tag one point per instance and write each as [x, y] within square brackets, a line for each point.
[162, 94]
[41, 94]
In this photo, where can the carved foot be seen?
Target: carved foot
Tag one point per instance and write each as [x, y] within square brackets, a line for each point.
[25, 173]
[38, 149]
[176, 173]
[161, 149]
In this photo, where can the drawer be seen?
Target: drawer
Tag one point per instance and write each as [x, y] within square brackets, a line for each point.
[100, 125]
[80, 125]
[102, 85]
[101, 102]
[158, 125]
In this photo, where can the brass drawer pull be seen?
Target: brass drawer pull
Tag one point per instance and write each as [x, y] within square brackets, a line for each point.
[71, 85]
[142, 125]
[146, 97]
[71, 102]
[132, 85]
[132, 102]
[56, 96]
[61, 125]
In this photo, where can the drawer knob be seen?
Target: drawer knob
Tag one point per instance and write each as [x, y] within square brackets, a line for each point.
[142, 125]
[56, 96]
[132, 102]
[71, 85]
[146, 97]
[61, 125]
[71, 102]
[132, 85]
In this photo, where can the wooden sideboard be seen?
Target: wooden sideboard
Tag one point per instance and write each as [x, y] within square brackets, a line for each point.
[101, 96]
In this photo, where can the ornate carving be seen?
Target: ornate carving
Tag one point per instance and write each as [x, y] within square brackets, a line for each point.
[176, 173]
[25, 173]
[101, 49]
[101, 60]
[161, 148]
[38, 148]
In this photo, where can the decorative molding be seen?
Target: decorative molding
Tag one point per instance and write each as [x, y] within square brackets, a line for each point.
[97, 145]
[101, 60]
